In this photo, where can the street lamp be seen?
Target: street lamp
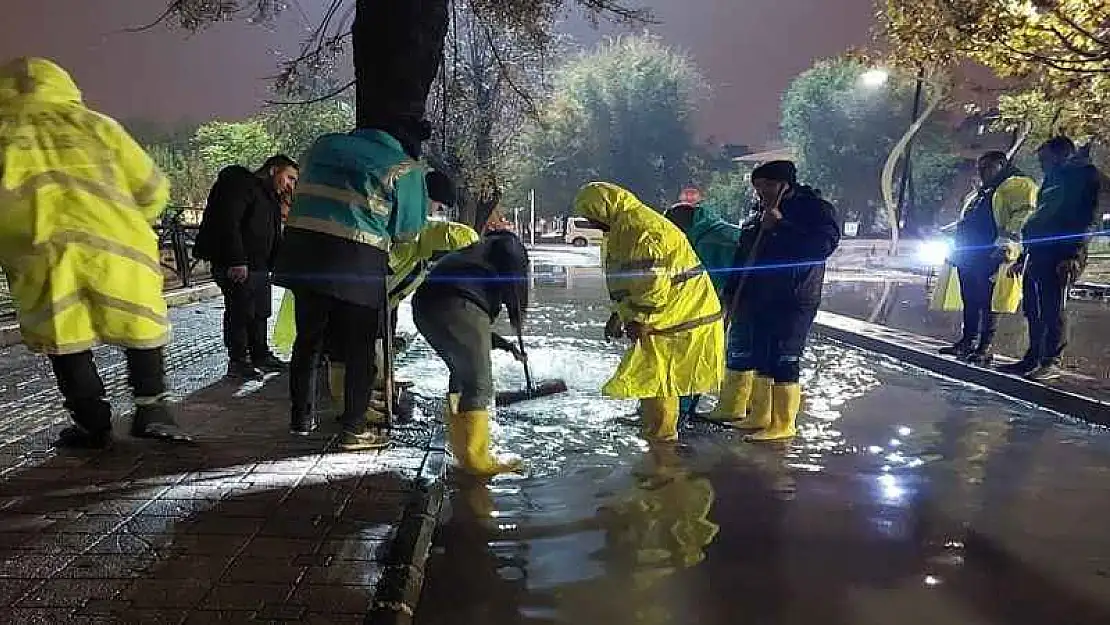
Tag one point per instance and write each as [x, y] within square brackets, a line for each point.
[874, 78]
[895, 207]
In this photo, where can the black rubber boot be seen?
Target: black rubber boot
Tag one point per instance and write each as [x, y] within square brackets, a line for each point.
[302, 423]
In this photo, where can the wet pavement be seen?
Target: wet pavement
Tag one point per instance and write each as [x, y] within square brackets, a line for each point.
[907, 498]
[248, 525]
[904, 305]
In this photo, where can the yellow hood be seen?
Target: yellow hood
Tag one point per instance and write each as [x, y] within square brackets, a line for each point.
[611, 205]
[445, 236]
[38, 80]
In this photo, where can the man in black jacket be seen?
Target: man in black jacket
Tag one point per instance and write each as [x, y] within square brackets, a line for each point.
[1055, 253]
[780, 268]
[239, 236]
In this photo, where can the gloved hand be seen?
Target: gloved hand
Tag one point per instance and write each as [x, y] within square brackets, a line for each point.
[613, 327]
[1068, 270]
[1018, 267]
[636, 330]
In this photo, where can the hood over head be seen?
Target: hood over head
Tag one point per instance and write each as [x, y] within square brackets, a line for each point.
[609, 204]
[36, 79]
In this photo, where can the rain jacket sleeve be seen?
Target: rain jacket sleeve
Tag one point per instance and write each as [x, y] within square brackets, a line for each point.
[645, 281]
[149, 187]
[1013, 203]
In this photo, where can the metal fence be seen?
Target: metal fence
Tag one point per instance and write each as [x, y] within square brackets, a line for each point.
[177, 233]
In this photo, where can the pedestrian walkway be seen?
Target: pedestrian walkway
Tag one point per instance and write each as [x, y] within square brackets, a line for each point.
[247, 525]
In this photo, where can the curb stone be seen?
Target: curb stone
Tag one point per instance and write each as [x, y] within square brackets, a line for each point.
[921, 352]
[9, 330]
[404, 567]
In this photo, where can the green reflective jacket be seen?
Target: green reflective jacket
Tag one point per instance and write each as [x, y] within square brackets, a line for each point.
[715, 241]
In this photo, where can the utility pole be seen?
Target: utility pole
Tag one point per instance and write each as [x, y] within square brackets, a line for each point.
[532, 216]
[906, 201]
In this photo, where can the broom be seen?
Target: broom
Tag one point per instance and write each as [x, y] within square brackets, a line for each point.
[546, 388]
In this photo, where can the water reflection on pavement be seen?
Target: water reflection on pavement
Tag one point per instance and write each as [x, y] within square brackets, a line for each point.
[904, 306]
[907, 498]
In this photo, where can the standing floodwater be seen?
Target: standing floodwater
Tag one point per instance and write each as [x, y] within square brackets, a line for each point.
[907, 498]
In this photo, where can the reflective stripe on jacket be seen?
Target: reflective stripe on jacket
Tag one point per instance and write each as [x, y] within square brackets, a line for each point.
[79, 197]
[656, 279]
[361, 187]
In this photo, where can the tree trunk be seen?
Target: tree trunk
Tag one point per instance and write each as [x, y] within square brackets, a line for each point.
[398, 48]
[486, 203]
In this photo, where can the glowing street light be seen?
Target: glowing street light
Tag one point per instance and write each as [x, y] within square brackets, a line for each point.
[874, 78]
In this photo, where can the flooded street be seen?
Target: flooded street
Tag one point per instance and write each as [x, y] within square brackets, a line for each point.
[907, 498]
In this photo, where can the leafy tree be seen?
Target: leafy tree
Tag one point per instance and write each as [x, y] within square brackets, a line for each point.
[246, 143]
[622, 113]
[190, 178]
[1058, 49]
[842, 132]
[730, 193]
[487, 90]
[294, 127]
[347, 25]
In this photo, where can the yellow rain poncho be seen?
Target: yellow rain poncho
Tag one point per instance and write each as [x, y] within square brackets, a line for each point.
[78, 196]
[655, 278]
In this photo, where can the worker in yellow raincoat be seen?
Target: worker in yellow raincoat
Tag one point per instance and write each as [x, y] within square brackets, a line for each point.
[79, 197]
[664, 302]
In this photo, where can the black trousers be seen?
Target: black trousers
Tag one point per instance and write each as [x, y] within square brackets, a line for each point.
[977, 290]
[1044, 301]
[83, 390]
[247, 309]
[769, 340]
[353, 327]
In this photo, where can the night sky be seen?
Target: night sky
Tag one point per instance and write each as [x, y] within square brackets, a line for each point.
[749, 50]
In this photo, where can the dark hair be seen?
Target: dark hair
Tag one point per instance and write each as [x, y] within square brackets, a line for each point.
[994, 156]
[279, 161]
[509, 256]
[1059, 146]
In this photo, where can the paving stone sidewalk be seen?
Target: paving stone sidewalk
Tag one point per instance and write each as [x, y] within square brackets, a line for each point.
[249, 525]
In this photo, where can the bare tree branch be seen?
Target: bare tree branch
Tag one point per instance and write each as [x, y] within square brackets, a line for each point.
[332, 94]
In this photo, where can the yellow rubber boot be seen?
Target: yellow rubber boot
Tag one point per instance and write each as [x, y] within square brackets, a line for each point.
[785, 403]
[468, 435]
[660, 421]
[337, 378]
[759, 409]
[735, 395]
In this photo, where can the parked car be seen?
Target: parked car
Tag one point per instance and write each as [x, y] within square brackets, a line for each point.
[578, 232]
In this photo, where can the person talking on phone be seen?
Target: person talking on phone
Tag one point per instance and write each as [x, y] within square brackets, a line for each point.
[773, 294]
